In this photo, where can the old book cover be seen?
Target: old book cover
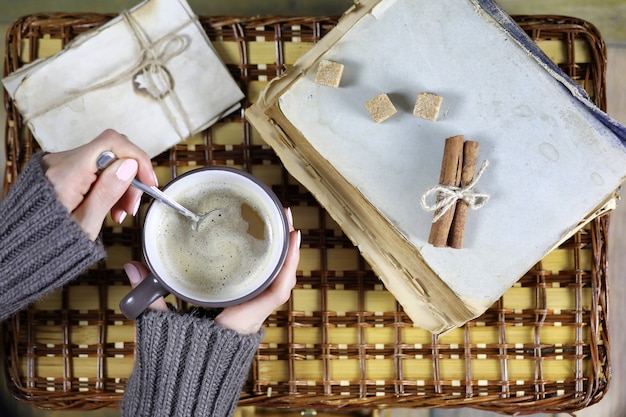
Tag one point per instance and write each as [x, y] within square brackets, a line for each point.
[555, 159]
[150, 73]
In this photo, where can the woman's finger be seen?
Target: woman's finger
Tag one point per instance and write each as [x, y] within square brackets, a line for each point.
[137, 272]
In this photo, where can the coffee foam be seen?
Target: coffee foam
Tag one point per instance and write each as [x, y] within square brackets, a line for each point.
[225, 257]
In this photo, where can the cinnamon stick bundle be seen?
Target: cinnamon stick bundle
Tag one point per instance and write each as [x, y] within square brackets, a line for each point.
[457, 174]
[451, 169]
[457, 230]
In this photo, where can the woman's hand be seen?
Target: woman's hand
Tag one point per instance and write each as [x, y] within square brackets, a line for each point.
[248, 317]
[89, 196]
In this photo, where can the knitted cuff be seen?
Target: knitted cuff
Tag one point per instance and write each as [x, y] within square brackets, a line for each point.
[187, 365]
[42, 247]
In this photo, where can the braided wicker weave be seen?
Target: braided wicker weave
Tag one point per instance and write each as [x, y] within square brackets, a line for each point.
[341, 341]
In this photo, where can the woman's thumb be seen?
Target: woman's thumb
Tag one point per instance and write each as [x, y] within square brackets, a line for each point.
[105, 192]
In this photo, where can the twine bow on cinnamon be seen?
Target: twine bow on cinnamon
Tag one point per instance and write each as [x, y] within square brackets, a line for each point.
[448, 195]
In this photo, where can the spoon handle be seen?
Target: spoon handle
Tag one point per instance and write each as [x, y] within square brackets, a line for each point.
[157, 194]
[107, 157]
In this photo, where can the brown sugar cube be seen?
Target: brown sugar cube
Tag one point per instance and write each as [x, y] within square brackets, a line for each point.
[381, 108]
[427, 106]
[329, 73]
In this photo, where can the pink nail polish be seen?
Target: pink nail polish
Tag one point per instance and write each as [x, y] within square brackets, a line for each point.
[127, 170]
[136, 207]
[133, 274]
[121, 217]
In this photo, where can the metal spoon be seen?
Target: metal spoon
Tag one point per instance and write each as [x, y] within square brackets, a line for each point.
[107, 157]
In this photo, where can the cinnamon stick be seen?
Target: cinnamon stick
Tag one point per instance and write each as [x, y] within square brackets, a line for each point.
[451, 166]
[457, 230]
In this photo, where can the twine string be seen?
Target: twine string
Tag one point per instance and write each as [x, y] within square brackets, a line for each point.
[448, 195]
[153, 57]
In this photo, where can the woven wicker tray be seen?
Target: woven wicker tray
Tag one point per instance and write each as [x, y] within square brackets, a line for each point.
[341, 341]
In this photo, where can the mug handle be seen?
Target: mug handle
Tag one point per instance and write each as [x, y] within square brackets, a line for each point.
[139, 298]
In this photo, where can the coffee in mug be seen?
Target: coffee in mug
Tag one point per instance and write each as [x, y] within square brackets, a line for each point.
[229, 257]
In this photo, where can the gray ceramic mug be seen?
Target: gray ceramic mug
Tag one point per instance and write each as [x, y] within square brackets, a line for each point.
[232, 256]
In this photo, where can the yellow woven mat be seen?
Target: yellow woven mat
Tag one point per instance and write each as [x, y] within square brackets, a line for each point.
[341, 341]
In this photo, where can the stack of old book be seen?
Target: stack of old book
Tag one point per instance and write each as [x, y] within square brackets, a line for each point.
[361, 120]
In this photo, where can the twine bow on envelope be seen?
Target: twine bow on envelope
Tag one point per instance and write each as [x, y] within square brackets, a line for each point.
[150, 73]
[448, 195]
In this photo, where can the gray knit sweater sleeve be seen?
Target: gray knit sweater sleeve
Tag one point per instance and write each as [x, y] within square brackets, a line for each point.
[187, 366]
[41, 247]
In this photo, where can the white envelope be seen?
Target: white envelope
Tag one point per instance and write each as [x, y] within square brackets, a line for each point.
[150, 73]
